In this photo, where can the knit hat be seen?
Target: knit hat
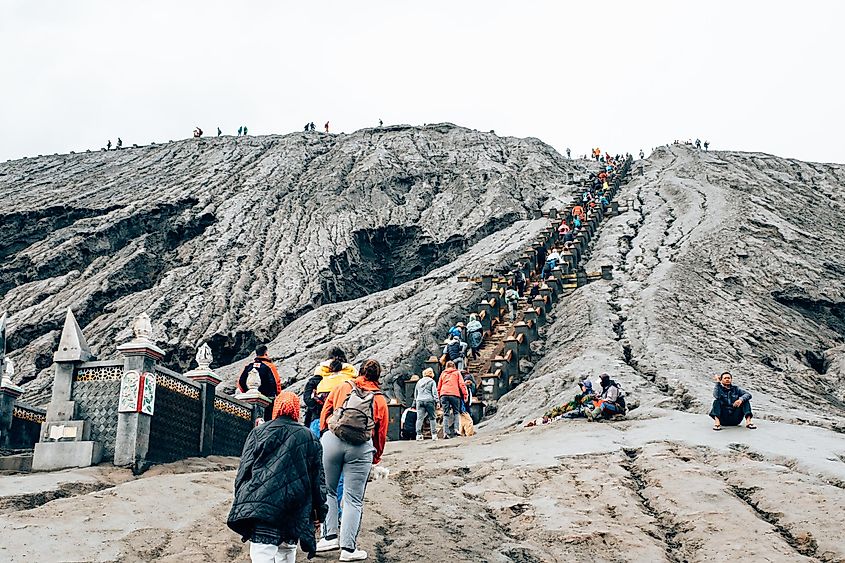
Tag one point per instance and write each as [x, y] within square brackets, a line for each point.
[286, 404]
[587, 384]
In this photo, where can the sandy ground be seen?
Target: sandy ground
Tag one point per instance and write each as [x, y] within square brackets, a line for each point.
[661, 488]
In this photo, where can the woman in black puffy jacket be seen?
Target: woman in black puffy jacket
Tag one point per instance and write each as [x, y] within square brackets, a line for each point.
[280, 492]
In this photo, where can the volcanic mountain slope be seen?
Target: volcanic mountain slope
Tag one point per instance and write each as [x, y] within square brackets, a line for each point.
[726, 261]
[228, 240]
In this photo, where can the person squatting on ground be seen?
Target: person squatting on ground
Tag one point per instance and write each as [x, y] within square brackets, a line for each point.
[731, 404]
[452, 390]
[354, 430]
[610, 402]
[271, 385]
[279, 490]
[425, 400]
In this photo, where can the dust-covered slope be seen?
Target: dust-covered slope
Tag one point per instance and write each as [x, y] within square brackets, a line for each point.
[727, 261]
[228, 240]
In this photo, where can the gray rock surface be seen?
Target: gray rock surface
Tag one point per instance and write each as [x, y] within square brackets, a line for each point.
[727, 261]
[229, 240]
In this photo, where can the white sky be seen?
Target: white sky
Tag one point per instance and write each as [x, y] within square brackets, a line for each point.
[622, 75]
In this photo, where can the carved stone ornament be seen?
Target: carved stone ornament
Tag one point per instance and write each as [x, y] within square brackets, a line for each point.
[204, 356]
[142, 327]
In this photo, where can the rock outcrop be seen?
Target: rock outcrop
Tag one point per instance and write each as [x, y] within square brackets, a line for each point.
[725, 262]
[230, 240]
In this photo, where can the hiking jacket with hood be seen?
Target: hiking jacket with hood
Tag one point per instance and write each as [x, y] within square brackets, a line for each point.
[727, 396]
[280, 483]
[332, 379]
[451, 384]
[338, 396]
[425, 391]
[271, 385]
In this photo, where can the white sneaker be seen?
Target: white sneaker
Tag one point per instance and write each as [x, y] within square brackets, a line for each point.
[420, 438]
[434, 437]
[327, 545]
[357, 555]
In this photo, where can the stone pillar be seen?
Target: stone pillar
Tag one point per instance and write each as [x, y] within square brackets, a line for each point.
[512, 345]
[570, 177]
[410, 385]
[140, 356]
[607, 272]
[537, 214]
[521, 329]
[394, 420]
[553, 213]
[64, 442]
[530, 316]
[433, 363]
[9, 393]
[499, 364]
[208, 381]
[540, 308]
[486, 321]
[487, 282]
[614, 208]
[546, 292]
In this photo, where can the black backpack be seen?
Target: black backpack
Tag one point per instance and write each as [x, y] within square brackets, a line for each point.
[454, 350]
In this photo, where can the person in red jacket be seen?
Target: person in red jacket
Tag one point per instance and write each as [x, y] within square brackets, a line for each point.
[352, 460]
[452, 390]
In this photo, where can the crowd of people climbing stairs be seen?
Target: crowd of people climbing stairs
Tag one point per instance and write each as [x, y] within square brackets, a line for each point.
[299, 482]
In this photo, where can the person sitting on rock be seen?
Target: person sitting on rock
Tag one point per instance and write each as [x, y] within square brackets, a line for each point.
[731, 404]
[270, 385]
[576, 405]
[475, 335]
[280, 493]
[611, 401]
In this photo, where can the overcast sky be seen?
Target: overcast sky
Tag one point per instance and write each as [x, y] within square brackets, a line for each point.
[756, 76]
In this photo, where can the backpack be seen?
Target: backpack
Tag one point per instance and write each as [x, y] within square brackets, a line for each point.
[353, 422]
[454, 350]
[519, 276]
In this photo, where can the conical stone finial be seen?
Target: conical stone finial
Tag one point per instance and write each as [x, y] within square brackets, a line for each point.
[72, 346]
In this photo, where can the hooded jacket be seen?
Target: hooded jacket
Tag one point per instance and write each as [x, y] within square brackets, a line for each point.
[280, 483]
[332, 379]
[338, 396]
[271, 385]
[425, 390]
[451, 384]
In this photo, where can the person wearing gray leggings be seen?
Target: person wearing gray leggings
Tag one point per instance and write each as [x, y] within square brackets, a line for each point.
[353, 461]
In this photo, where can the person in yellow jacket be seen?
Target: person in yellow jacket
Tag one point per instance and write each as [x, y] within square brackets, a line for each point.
[327, 375]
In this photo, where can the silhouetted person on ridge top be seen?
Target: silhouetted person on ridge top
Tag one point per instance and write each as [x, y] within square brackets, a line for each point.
[313, 127]
[327, 126]
[108, 145]
[240, 131]
[119, 143]
[245, 131]
[568, 153]
[380, 123]
[707, 145]
[219, 132]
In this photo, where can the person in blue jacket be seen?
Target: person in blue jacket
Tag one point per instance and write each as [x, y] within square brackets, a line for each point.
[731, 404]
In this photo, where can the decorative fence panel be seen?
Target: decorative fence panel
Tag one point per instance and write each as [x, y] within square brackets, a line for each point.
[175, 426]
[232, 424]
[96, 390]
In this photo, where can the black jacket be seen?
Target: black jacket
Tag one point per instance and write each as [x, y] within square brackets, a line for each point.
[315, 407]
[270, 384]
[280, 482]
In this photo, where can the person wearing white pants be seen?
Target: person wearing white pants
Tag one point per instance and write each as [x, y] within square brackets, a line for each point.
[269, 553]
